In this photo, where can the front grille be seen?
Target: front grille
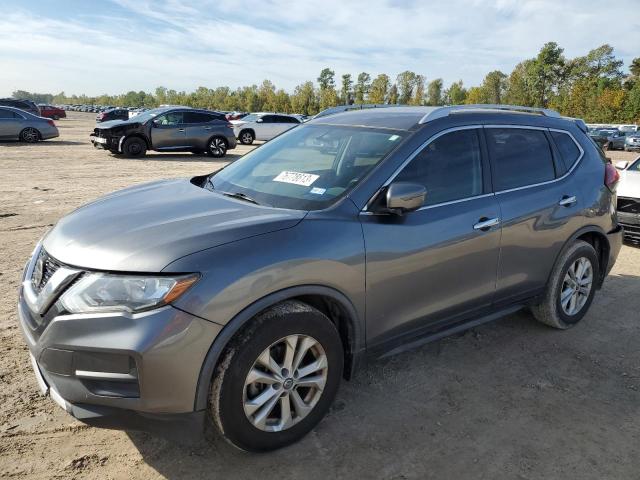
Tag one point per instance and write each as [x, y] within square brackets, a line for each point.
[43, 270]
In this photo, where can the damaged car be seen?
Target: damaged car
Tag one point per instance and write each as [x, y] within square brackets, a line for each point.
[629, 199]
[175, 129]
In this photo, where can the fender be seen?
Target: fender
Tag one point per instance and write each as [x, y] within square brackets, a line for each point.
[242, 318]
[580, 232]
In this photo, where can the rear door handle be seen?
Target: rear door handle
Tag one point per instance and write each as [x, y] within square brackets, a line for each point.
[207, 128]
[567, 201]
[486, 223]
[181, 129]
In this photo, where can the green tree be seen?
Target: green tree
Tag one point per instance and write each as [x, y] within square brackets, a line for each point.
[405, 82]
[327, 79]
[379, 89]
[362, 87]
[393, 98]
[634, 68]
[495, 86]
[434, 92]
[456, 94]
[304, 99]
[418, 91]
[345, 92]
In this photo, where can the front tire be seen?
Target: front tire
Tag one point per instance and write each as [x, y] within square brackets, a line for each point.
[134, 147]
[277, 380]
[571, 287]
[247, 137]
[30, 135]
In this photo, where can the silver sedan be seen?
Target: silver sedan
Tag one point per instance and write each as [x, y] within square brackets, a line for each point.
[16, 124]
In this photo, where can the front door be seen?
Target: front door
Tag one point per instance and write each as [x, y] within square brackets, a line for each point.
[439, 263]
[169, 132]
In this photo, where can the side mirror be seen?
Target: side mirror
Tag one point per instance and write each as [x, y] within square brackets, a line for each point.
[622, 165]
[405, 197]
[259, 120]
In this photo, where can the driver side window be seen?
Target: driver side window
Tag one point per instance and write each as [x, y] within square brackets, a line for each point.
[450, 167]
[170, 119]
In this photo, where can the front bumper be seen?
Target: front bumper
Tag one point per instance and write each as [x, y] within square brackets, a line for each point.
[631, 224]
[116, 363]
[113, 143]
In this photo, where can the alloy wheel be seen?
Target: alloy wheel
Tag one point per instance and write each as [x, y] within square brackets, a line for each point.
[217, 147]
[30, 135]
[576, 286]
[247, 137]
[285, 383]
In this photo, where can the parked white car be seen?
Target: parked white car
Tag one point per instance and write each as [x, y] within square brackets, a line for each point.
[629, 198]
[262, 126]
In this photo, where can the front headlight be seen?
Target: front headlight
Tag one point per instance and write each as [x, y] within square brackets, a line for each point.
[103, 292]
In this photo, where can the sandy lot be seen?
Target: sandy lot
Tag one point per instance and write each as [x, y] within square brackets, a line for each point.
[512, 399]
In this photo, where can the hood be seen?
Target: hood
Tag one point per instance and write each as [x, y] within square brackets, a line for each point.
[116, 123]
[629, 185]
[146, 227]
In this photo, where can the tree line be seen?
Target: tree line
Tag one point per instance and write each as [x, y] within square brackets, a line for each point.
[593, 87]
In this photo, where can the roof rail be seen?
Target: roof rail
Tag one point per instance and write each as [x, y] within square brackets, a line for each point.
[445, 111]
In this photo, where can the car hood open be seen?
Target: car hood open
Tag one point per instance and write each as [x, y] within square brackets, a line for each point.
[146, 227]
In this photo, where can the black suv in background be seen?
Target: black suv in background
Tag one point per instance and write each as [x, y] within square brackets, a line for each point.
[176, 129]
[26, 105]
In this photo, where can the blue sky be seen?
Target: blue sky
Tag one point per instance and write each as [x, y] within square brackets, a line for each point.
[111, 46]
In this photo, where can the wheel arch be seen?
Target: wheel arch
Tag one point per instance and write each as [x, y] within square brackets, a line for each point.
[329, 301]
[597, 238]
[141, 136]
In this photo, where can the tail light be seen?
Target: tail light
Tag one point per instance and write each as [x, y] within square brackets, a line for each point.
[611, 176]
[50, 122]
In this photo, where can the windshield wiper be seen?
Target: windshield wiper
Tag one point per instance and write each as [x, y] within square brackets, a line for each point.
[239, 196]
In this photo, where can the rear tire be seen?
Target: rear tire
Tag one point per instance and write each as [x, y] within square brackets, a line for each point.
[134, 147]
[217, 147]
[30, 135]
[246, 137]
[571, 287]
[55, 117]
[267, 392]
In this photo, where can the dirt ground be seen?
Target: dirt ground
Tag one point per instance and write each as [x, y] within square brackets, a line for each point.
[512, 399]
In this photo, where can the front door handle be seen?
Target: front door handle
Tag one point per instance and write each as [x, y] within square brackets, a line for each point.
[207, 128]
[486, 223]
[567, 201]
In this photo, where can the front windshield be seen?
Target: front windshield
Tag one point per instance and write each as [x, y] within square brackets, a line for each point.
[149, 114]
[307, 168]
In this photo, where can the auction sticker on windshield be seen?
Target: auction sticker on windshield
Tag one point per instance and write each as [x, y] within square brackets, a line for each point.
[297, 178]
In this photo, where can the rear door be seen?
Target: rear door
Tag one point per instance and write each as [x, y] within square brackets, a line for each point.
[540, 206]
[169, 132]
[283, 123]
[10, 124]
[266, 127]
[200, 126]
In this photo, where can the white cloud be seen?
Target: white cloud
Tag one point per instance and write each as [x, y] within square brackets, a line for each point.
[223, 42]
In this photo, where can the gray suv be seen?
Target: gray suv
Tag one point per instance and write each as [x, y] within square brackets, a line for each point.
[172, 129]
[240, 299]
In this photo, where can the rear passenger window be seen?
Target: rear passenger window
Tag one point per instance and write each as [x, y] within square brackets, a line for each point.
[522, 157]
[197, 117]
[450, 167]
[569, 151]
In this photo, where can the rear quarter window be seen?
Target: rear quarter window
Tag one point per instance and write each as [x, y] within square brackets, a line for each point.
[569, 151]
